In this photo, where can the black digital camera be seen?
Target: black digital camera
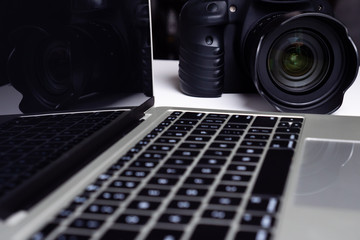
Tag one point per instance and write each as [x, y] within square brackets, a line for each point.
[61, 52]
[295, 53]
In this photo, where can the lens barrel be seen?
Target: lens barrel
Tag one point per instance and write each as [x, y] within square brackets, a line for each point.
[302, 62]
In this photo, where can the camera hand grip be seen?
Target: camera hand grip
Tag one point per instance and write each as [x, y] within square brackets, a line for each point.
[201, 67]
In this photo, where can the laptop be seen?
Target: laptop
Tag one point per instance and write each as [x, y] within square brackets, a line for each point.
[84, 155]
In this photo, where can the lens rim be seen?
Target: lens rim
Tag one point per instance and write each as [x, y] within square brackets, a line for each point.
[342, 72]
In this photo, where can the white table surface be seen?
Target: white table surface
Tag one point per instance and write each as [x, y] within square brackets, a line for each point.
[167, 93]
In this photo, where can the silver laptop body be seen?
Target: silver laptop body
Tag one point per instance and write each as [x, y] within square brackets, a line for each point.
[191, 173]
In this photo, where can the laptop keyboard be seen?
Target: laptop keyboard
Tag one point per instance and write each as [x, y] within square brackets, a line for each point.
[195, 176]
[30, 144]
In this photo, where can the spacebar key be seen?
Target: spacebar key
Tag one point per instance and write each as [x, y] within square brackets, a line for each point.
[274, 172]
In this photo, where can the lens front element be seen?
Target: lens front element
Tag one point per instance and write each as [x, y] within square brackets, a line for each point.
[299, 60]
[55, 67]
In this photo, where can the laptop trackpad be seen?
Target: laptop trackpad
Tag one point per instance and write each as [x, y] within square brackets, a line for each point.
[330, 175]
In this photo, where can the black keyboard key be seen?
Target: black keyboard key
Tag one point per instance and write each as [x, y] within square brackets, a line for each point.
[135, 173]
[222, 145]
[250, 150]
[204, 231]
[288, 130]
[175, 218]
[286, 136]
[184, 205]
[198, 139]
[224, 188]
[217, 116]
[186, 153]
[227, 138]
[192, 192]
[217, 153]
[236, 178]
[250, 143]
[274, 172]
[144, 164]
[192, 115]
[225, 201]
[283, 144]
[208, 126]
[162, 234]
[152, 156]
[161, 148]
[180, 128]
[212, 161]
[116, 234]
[261, 234]
[261, 221]
[214, 120]
[174, 134]
[100, 209]
[243, 159]
[264, 122]
[230, 132]
[260, 130]
[240, 119]
[257, 136]
[80, 199]
[192, 145]
[66, 212]
[171, 171]
[104, 176]
[219, 214]
[203, 132]
[179, 162]
[72, 237]
[241, 168]
[133, 219]
[113, 196]
[176, 113]
[167, 140]
[86, 223]
[294, 120]
[186, 122]
[235, 126]
[206, 170]
[199, 181]
[163, 181]
[124, 184]
[154, 192]
[144, 205]
[263, 204]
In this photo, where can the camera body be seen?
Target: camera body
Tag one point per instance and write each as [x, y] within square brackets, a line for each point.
[65, 52]
[230, 46]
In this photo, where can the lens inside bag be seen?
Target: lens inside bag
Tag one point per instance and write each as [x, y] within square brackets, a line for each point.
[304, 62]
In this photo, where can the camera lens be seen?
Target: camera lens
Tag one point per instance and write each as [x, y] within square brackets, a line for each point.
[299, 60]
[56, 67]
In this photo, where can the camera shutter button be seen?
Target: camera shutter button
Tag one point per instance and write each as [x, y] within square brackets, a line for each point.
[212, 7]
